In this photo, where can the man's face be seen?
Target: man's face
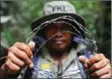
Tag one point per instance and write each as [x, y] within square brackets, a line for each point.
[62, 40]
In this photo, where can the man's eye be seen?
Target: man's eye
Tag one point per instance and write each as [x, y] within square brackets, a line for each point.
[50, 28]
[67, 29]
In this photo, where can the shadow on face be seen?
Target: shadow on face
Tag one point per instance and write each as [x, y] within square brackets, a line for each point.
[62, 40]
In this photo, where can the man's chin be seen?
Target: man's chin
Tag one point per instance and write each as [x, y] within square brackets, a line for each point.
[60, 48]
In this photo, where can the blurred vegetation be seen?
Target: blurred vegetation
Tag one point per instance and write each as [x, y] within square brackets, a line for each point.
[16, 18]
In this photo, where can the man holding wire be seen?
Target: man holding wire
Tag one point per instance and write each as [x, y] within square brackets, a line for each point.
[60, 56]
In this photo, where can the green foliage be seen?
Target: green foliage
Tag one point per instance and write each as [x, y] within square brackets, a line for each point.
[8, 36]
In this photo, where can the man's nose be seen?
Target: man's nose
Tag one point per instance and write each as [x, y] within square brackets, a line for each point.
[59, 34]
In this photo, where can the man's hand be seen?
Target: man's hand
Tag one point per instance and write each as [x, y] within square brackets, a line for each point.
[19, 56]
[98, 66]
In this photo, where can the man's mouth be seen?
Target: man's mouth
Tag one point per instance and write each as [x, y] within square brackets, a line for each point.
[59, 42]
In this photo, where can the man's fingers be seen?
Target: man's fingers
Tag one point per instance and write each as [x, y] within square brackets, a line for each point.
[102, 71]
[84, 61]
[31, 44]
[24, 48]
[16, 60]
[99, 64]
[11, 67]
[22, 55]
[106, 76]
[95, 59]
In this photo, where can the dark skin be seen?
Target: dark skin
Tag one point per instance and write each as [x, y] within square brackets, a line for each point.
[60, 43]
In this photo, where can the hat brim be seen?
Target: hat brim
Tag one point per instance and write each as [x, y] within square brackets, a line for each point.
[39, 21]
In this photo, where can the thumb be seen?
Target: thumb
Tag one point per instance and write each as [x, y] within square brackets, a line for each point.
[31, 44]
[84, 60]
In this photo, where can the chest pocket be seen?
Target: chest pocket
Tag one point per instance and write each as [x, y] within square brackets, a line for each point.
[43, 74]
